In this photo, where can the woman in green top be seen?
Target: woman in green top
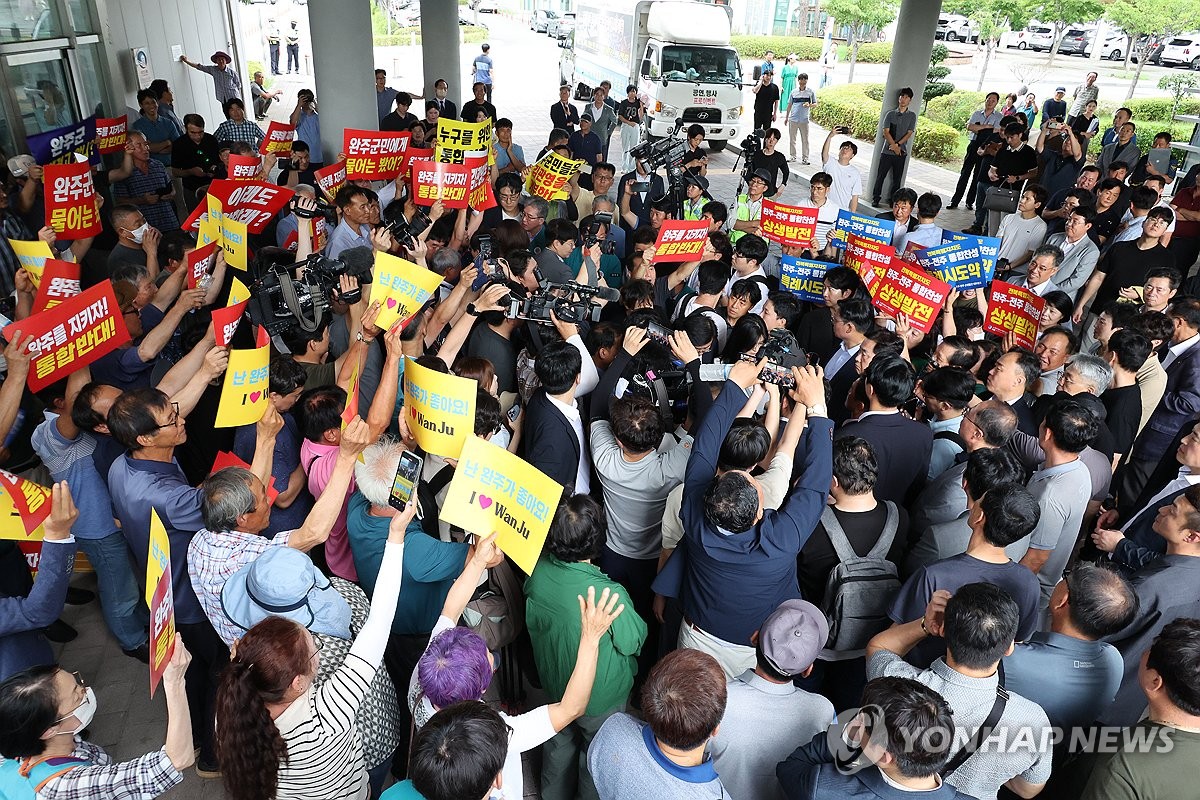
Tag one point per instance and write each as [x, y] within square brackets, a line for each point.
[788, 80]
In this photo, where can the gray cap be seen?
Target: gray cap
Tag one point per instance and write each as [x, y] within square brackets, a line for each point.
[792, 637]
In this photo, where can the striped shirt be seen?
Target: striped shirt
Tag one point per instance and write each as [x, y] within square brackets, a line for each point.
[152, 180]
[245, 131]
[226, 82]
[324, 744]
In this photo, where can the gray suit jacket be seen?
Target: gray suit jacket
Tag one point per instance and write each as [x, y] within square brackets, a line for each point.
[1130, 155]
[1078, 264]
[942, 500]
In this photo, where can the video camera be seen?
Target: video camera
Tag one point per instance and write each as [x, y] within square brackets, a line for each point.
[570, 302]
[782, 353]
[323, 209]
[282, 303]
[406, 231]
[591, 235]
[665, 153]
[751, 148]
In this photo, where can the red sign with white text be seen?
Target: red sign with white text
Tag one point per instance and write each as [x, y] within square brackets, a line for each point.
[912, 292]
[198, 262]
[374, 155]
[243, 168]
[482, 197]
[71, 200]
[60, 281]
[416, 154]
[331, 178]
[867, 257]
[1016, 310]
[192, 223]
[251, 202]
[76, 332]
[791, 226]
[680, 240]
[225, 322]
[433, 181]
[278, 140]
[110, 134]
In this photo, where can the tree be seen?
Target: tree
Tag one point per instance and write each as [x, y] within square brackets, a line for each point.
[993, 17]
[1178, 85]
[935, 86]
[861, 16]
[1145, 17]
[1061, 13]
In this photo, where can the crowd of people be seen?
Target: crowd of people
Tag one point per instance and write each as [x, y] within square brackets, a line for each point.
[804, 550]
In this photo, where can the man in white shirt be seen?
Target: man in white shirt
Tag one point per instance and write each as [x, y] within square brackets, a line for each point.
[847, 180]
[748, 255]
[1021, 233]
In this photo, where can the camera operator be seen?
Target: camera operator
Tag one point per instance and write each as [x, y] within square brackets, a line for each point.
[749, 205]
[773, 161]
[299, 168]
[312, 350]
[635, 191]
[597, 263]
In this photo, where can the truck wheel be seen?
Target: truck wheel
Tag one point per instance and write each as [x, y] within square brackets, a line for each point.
[1196, 63]
[717, 146]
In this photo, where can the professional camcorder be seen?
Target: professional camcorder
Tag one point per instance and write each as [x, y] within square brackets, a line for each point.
[666, 153]
[282, 303]
[591, 235]
[782, 353]
[406, 231]
[323, 209]
[571, 302]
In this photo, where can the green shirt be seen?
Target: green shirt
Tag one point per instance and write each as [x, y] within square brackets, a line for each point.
[1160, 770]
[552, 616]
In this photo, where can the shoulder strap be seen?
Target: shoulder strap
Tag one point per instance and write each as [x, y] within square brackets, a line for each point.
[440, 479]
[984, 730]
[952, 436]
[890, 526]
[41, 772]
[837, 536]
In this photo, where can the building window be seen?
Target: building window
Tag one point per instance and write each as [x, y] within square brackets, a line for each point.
[29, 20]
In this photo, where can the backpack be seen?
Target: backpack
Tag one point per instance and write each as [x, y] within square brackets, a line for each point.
[21, 779]
[953, 436]
[859, 590]
[427, 492]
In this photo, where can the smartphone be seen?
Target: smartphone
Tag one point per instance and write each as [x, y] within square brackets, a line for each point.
[659, 333]
[513, 413]
[408, 472]
[641, 186]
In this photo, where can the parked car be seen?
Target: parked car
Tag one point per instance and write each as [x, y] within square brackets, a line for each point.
[956, 27]
[1034, 37]
[1075, 42]
[540, 20]
[558, 26]
[1182, 51]
[483, 6]
[1115, 46]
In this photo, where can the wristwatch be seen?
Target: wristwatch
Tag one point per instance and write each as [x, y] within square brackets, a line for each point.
[816, 411]
[359, 336]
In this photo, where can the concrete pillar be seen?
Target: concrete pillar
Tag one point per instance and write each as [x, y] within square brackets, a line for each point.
[440, 51]
[344, 69]
[917, 22]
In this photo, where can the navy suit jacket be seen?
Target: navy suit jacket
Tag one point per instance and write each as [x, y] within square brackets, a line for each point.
[902, 447]
[22, 644]
[552, 445]
[1179, 404]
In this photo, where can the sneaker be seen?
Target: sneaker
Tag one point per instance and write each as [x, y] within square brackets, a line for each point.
[207, 770]
[973, 230]
[141, 652]
[952, 207]
[970, 206]
[805, 161]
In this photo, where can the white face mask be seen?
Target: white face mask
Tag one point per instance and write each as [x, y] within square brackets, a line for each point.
[139, 233]
[441, 94]
[85, 712]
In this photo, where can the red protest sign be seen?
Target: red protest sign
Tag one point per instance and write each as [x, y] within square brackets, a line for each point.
[60, 281]
[434, 181]
[225, 322]
[76, 332]
[679, 240]
[225, 460]
[24, 499]
[110, 134]
[71, 200]
[318, 229]
[482, 197]
[1016, 310]
[251, 202]
[243, 168]
[374, 155]
[278, 140]
[331, 178]
[912, 292]
[789, 225]
[192, 223]
[867, 257]
[198, 262]
[416, 154]
[162, 629]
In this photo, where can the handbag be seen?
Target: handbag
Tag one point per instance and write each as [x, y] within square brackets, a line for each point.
[999, 198]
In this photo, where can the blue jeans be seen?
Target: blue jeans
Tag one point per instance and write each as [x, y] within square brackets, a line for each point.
[120, 599]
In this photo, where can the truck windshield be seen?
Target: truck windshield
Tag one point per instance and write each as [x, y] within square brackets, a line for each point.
[700, 64]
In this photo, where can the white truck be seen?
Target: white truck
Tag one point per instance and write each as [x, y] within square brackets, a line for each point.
[676, 52]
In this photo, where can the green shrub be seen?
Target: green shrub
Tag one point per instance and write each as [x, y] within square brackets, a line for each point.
[875, 53]
[472, 34]
[955, 108]
[873, 91]
[1180, 132]
[806, 48]
[852, 107]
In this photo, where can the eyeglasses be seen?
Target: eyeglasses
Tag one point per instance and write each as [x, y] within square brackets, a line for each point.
[1068, 379]
[174, 420]
[318, 646]
[509, 195]
[79, 683]
[531, 218]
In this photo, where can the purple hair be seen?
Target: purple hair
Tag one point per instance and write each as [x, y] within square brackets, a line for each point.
[455, 667]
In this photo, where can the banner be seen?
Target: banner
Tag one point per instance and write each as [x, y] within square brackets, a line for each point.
[160, 599]
[441, 409]
[253, 202]
[1016, 310]
[679, 240]
[60, 281]
[225, 322]
[374, 155]
[198, 215]
[482, 197]
[415, 154]
[243, 168]
[433, 181]
[225, 460]
[959, 264]
[111, 134]
[851, 224]
[278, 140]
[549, 176]
[71, 200]
[199, 261]
[456, 155]
[331, 178]
[457, 138]
[989, 248]
[76, 332]
[401, 287]
[237, 291]
[867, 257]
[32, 257]
[494, 491]
[60, 145]
[804, 278]
[24, 506]
[244, 395]
[791, 226]
[904, 290]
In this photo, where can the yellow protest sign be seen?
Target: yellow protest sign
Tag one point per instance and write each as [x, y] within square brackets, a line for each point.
[244, 394]
[235, 242]
[160, 599]
[496, 491]
[210, 230]
[550, 174]
[158, 561]
[455, 134]
[441, 409]
[401, 287]
[237, 292]
[32, 257]
[24, 505]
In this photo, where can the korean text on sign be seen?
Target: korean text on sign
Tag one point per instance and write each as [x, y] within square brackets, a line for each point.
[433, 181]
[278, 140]
[374, 156]
[679, 240]
[851, 224]
[71, 200]
[989, 249]
[110, 134]
[788, 225]
[904, 290]
[244, 394]
[160, 599]
[76, 332]
[60, 281]
[60, 145]
[959, 264]
[549, 176]
[331, 178]
[401, 287]
[868, 258]
[440, 408]
[804, 278]
[1016, 310]
[252, 202]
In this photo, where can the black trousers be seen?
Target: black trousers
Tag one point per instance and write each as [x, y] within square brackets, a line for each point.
[889, 164]
[209, 659]
[968, 175]
[401, 657]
